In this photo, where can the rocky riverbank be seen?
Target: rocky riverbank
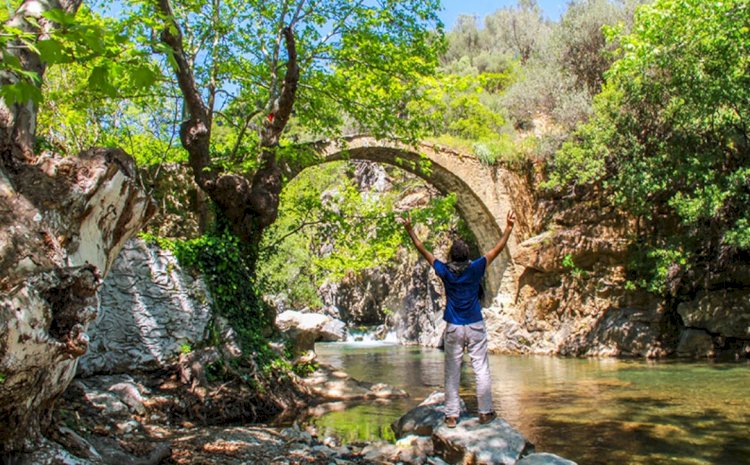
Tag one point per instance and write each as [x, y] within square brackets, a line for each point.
[147, 418]
[153, 417]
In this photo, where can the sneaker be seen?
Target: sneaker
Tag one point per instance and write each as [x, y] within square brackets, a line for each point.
[451, 422]
[485, 418]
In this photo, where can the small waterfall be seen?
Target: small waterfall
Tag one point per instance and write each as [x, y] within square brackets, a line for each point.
[372, 335]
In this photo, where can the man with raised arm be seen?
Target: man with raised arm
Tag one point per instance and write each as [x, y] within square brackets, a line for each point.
[465, 327]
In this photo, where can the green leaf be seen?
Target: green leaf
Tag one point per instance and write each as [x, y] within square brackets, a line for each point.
[21, 93]
[100, 79]
[52, 51]
[60, 17]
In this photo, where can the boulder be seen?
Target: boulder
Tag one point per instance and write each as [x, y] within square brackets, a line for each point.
[424, 419]
[63, 221]
[547, 251]
[305, 329]
[494, 443]
[544, 459]
[627, 332]
[725, 312]
[694, 343]
[409, 450]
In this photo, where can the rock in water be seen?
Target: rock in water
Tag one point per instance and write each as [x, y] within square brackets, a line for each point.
[305, 329]
[544, 459]
[494, 443]
[62, 223]
[424, 419]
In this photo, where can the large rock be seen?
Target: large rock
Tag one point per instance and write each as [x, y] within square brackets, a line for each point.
[424, 419]
[628, 332]
[546, 252]
[544, 459]
[725, 313]
[152, 311]
[305, 329]
[63, 222]
[695, 343]
[495, 443]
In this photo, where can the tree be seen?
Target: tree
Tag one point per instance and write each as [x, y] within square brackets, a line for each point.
[21, 74]
[521, 30]
[62, 221]
[255, 66]
[579, 41]
[669, 139]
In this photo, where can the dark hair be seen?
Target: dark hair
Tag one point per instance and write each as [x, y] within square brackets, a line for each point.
[459, 251]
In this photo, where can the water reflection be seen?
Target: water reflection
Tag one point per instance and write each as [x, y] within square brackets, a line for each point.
[592, 411]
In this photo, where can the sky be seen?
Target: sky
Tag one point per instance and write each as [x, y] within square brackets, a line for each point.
[481, 8]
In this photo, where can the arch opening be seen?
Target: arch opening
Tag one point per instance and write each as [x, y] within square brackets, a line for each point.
[447, 171]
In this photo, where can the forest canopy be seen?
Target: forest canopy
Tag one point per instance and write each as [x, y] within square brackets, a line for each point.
[644, 104]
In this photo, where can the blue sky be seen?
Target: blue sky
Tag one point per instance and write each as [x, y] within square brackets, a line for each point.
[481, 8]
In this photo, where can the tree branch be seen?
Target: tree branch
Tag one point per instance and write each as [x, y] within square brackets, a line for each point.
[291, 233]
[284, 104]
[18, 122]
[195, 133]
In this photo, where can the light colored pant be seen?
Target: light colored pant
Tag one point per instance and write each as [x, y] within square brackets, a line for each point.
[473, 337]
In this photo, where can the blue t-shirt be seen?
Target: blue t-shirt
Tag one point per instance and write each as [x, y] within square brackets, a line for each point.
[462, 292]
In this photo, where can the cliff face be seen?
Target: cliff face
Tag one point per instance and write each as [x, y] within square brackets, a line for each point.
[62, 224]
[406, 297]
[574, 299]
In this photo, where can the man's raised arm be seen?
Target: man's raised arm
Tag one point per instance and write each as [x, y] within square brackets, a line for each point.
[406, 221]
[492, 254]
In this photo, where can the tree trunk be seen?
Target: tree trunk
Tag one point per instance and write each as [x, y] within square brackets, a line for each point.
[62, 223]
[18, 122]
[249, 205]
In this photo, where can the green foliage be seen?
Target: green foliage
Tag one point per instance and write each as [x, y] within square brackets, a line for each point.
[669, 138]
[560, 78]
[99, 89]
[73, 118]
[2, 378]
[185, 348]
[362, 66]
[511, 33]
[112, 63]
[570, 265]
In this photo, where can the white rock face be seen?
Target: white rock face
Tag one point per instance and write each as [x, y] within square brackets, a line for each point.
[150, 310]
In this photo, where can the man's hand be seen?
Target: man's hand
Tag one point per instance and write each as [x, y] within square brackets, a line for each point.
[405, 219]
[510, 220]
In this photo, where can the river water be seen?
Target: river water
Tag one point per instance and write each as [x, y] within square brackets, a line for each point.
[592, 411]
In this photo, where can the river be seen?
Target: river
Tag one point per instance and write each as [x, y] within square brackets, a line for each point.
[592, 411]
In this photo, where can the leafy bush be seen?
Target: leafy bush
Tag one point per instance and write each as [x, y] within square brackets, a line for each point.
[668, 140]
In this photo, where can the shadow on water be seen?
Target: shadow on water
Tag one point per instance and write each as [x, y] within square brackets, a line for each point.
[595, 412]
[710, 437]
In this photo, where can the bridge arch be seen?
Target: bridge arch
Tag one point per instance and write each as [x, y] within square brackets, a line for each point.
[480, 201]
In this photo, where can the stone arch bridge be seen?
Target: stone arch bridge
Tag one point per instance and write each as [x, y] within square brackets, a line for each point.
[484, 194]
